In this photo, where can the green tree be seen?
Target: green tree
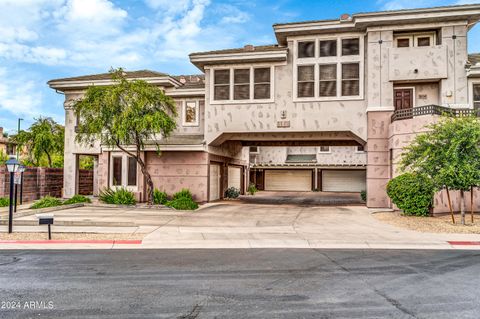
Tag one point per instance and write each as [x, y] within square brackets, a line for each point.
[44, 139]
[449, 154]
[126, 115]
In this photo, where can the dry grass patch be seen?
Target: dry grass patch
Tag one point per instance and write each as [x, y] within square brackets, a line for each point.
[70, 236]
[440, 224]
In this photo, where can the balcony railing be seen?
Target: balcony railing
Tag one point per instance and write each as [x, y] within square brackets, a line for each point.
[432, 110]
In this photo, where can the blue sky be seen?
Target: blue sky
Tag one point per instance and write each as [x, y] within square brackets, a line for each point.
[46, 39]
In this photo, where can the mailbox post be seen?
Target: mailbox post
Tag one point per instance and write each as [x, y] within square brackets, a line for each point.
[12, 166]
[46, 220]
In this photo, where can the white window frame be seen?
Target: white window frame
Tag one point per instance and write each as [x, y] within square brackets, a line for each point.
[124, 182]
[257, 152]
[325, 152]
[197, 113]
[413, 37]
[339, 60]
[470, 93]
[251, 99]
[359, 152]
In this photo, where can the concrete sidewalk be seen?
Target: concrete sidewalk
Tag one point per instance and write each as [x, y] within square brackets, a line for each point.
[235, 224]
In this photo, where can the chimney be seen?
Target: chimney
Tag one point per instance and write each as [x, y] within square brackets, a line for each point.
[249, 47]
[345, 17]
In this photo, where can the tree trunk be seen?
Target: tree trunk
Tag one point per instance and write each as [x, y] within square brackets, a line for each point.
[450, 205]
[49, 160]
[471, 203]
[148, 180]
[462, 205]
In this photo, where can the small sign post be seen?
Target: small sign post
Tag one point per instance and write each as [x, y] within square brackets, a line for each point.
[46, 220]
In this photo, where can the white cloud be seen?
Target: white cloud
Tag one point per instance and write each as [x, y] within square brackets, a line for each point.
[19, 95]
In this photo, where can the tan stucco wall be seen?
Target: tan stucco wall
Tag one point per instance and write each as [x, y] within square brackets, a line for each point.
[338, 155]
[303, 116]
[172, 171]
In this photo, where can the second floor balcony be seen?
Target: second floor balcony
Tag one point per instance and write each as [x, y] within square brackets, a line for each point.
[418, 63]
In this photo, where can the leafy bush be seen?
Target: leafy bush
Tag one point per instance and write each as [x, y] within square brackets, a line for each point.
[182, 203]
[45, 202]
[159, 198]
[4, 202]
[252, 189]
[412, 193]
[232, 192]
[120, 196]
[184, 193]
[77, 199]
[363, 195]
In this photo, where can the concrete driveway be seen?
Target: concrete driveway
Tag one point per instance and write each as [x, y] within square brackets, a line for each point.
[236, 224]
[303, 198]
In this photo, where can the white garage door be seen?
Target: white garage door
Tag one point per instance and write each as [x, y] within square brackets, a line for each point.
[214, 181]
[288, 180]
[343, 181]
[234, 177]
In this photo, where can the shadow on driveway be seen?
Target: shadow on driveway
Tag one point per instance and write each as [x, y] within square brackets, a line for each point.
[303, 198]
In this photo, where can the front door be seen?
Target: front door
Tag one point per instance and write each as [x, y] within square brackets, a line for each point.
[403, 99]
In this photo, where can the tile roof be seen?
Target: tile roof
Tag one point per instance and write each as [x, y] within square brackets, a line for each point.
[108, 76]
[474, 58]
[245, 49]
[195, 81]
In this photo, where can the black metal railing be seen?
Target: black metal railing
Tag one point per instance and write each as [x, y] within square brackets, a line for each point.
[432, 110]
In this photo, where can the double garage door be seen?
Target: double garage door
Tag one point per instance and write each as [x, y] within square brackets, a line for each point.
[301, 180]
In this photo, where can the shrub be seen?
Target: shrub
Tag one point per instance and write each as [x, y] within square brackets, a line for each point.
[159, 198]
[4, 202]
[252, 189]
[77, 199]
[363, 196]
[182, 203]
[45, 202]
[232, 192]
[120, 196]
[412, 193]
[184, 193]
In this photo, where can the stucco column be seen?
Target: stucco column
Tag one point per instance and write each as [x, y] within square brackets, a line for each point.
[378, 159]
[95, 175]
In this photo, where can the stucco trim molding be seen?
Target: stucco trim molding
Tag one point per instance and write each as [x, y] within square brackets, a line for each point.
[380, 109]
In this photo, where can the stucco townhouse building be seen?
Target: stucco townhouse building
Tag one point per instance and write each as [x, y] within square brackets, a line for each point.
[329, 107]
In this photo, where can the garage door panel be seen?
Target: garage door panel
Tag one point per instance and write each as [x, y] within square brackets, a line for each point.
[235, 177]
[288, 180]
[343, 181]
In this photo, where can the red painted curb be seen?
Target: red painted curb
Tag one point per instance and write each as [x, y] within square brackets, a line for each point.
[464, 243]
[110, 242]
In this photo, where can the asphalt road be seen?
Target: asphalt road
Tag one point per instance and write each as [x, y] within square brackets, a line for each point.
[262, 283]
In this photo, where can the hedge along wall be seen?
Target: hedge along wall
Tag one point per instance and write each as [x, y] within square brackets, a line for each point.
[41, 181]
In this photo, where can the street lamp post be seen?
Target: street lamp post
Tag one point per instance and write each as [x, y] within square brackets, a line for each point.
[21, 169]
[12, 166]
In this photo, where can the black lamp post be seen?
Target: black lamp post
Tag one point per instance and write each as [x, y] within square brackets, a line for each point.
[21, 169]
[12, 166]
